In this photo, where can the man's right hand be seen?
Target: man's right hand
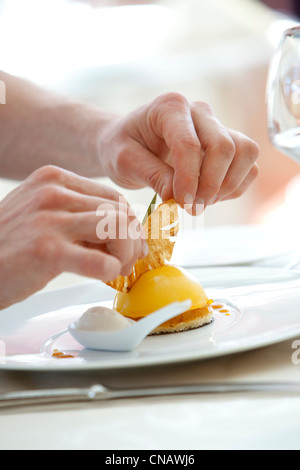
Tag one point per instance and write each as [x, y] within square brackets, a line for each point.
[51, 224]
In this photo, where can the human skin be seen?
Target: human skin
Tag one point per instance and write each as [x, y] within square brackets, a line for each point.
[48, 224]
[179, 149]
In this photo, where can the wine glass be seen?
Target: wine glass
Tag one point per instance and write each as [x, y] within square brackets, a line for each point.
[283, 95]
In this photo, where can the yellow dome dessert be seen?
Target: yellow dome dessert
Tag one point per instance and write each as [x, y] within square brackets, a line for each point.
[162, 286]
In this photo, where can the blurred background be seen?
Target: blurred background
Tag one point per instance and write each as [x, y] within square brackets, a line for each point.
[122, 54]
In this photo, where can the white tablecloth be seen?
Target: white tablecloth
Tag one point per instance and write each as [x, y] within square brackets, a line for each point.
[243, 421]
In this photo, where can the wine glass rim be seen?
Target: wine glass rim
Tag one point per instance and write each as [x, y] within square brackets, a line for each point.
[293, 31]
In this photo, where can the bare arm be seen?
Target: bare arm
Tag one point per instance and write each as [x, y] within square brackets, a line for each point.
[38, 128]
[180, 149]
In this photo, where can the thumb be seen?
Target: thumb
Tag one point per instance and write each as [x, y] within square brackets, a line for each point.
[155, 173]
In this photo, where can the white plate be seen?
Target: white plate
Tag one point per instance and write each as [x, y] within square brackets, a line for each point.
[233, 245]
[267, 311]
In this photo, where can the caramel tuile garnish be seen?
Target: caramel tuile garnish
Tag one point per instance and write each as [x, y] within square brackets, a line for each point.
[161, 229]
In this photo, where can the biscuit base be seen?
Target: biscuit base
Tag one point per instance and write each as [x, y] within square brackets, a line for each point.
[180, 326]
[189, 320]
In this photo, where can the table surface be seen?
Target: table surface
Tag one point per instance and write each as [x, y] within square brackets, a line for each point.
[186, 422]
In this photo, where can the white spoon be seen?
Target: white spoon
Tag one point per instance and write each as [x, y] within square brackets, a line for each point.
[128, 338]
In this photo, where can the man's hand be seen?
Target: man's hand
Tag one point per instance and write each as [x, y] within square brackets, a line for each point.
[57, 221]
[180, 150]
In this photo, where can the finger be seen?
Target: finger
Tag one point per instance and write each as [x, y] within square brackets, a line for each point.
[126, 269]
[89, 227]
[89, 262]
[246, 154]
[120, 232]
[98, 226]
[243, 187]
[50, 174]
[173, 122]
[140, 252]
[219, 151]
[60, 198]
[91, 188]
[150, 170]
[127, 251]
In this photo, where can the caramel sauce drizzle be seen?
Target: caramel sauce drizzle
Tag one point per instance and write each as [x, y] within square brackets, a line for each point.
[61, 355]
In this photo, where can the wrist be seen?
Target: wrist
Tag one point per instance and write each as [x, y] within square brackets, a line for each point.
[107, 142]
[75, 129]
[41, 128]
[66, 134]
[99, 138]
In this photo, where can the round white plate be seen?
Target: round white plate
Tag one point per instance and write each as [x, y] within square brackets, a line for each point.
[264, 308]
[233, 245]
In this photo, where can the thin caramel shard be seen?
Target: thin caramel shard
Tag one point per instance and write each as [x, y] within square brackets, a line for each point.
[161, 229]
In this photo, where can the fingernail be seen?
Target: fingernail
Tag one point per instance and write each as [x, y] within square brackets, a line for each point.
[188, 203]
[188, 199]
[199, 207]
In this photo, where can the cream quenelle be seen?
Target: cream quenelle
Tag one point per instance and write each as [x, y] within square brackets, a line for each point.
[103, 319]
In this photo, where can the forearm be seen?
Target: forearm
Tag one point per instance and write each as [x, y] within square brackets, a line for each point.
[39, 128]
